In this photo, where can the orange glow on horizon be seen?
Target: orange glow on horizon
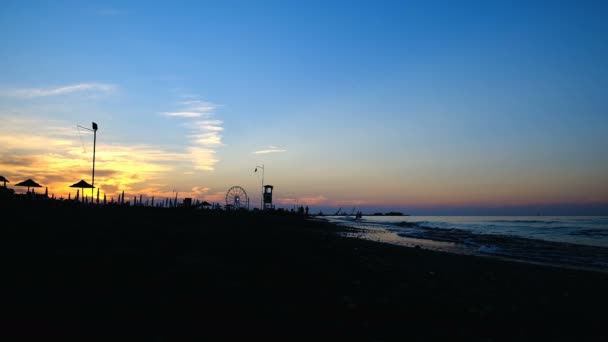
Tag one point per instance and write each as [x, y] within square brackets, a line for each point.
[57, 161]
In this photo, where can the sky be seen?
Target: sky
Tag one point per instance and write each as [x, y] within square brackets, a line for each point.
[423, 107]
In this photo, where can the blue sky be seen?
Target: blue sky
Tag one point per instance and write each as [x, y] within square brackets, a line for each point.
[427, 107]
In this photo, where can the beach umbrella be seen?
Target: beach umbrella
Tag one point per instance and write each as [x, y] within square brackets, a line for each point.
[29, 183]
[82, 185]
[2, 179]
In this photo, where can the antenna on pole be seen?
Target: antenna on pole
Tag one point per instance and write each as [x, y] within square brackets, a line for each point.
[94, 130]
[94, 142]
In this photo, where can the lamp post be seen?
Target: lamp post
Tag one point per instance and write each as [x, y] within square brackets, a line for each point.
[262, 198]
[94, 143]
[94, 130]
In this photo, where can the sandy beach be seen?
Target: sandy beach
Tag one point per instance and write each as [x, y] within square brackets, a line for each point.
[145, 273]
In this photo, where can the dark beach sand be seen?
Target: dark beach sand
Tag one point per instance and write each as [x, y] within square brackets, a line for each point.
[175, 274]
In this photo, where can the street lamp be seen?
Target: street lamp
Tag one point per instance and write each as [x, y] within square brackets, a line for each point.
[94, 130]
[261, 198]
[174, 201]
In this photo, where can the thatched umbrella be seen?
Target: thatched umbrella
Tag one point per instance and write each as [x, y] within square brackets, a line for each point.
[82, 185]
[29, 183]
[2, 179]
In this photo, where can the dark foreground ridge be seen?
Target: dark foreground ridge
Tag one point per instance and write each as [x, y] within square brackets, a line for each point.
[116, 273]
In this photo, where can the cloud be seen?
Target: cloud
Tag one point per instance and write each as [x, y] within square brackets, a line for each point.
[200, 106]
[194, 109]
[271, 149]
[28, 93]
[209, 125]
[204, 135]
[207, 139]
[184, 114]
[202, 158]
[199, 190]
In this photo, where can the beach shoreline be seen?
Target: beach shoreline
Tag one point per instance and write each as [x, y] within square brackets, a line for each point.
[184, 274]
[504, 246]
[448, 247]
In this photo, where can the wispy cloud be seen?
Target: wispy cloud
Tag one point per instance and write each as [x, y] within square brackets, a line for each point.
[202, 158]
[207, 138]
[183, 114]
[28, 93]
[204, 135]
[194, 109]
[199, 190]
[270, 149]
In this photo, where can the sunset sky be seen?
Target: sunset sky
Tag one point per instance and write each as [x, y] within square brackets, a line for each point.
[425, 107]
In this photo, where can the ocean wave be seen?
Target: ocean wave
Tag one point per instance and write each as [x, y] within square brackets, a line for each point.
[510, 246]
[408, 224]
[591, 232]
[524, 221]
[488, 249]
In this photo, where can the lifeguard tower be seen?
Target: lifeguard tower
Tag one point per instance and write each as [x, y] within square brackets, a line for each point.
[268, 197]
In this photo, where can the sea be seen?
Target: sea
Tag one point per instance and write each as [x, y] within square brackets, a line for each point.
[565, 241]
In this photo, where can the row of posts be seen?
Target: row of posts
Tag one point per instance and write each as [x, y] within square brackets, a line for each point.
[166, 203]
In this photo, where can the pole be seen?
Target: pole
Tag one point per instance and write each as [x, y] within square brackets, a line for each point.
[94, 143]
[262, 199]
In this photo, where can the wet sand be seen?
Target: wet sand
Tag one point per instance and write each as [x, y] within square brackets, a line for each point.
[175, 274]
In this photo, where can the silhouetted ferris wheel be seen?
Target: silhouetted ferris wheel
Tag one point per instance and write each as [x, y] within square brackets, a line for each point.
[236, 198]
